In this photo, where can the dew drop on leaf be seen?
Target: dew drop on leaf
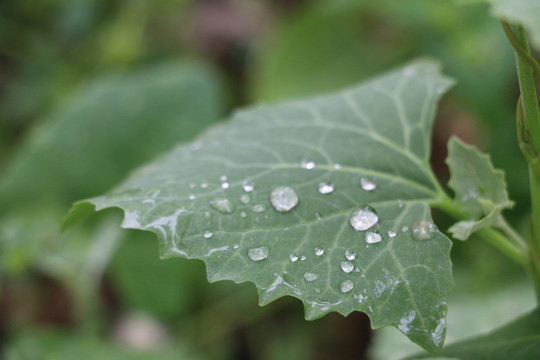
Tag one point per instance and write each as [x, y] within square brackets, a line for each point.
[346, 286]
[244, 199]
[373, 237]
[236, 246]
[347, 267]
[222, 205]
[204, 185]
[225, 185]
[422, 230]
[223, 178]
[293, 258]
[307, 164]
[326, 188]
[319, 251]
[248, 186]
[258, 254]
[318, 216]
[207, 234]
[303, 257]
[404, 229]
[258, 208]
[309, 276]
[192, 197]
[367, 184]
[364, 218]
[337, 166]
[283, 198]
[350, 255]
[243, 214]
[392, 234]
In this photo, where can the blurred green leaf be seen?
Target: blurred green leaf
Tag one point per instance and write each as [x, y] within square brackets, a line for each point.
[371, 143]
[480, 190]
[110, 126]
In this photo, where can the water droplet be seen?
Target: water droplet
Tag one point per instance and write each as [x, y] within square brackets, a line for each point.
[293, 257]
[350, 255]
[364, 218]
[248, 186]
[367, 184]
[318, 216]
[204, 185]
[191, 197]
[337, 166]
[309, 276]
[400, 204]
[192, 185]
[404, 229]
[283, 198]
[258, 254]
[243, 214]
[225, 185]
[347, 267]
[223, 178]
[236, 246]
[422, 230]
[357, 269]
[346, 286]
[303, 257]
[245, 199]
[208, 234]
[223, 205]
[258, 208]
[326, 188]
[319, 251]
[392, 234]
[307, 164]
[373, 237]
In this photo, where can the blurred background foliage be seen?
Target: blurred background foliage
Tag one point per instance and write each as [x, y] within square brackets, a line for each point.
[89, 90]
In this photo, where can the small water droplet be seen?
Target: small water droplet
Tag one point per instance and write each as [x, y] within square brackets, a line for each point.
[223, 178]
[192, 185]
[245, 199]
[243, 214]
[303, 257]
[326, 188]
[347, 267]
[392, 234]
[225, 185]
[248, 186]
[293, 257]
[258, 208]
[192, 197]
[400, 204]
[204, 185]
[309, 276]
[283, 198]
[357, 269]
[373, 237]
[319, 251]
[207, 234]
[364, 218]
[350, 255]
[236, 246]
[346, 286]
[318, 216]
[258, 254]
[422, 230]
[337, 166]
[404, 229]
[307, 164]
[367, 184]
[223, 205]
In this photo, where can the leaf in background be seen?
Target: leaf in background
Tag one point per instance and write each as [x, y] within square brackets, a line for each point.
[480, 190]
[111, 126]
[519, 340]
[524, 12]
[356, 158]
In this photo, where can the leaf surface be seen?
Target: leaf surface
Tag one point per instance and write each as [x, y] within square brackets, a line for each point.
[364, 146]
[518, 340]
[480, 190]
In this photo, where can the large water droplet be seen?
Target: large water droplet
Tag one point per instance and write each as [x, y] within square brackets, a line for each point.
[283, 198]
[258, 208]
[422, 230]
[248, 186]
[244, 199]
[350, 255]
[367, 184]
[258, 254]
[347, 267]
[364, 218]
[207, 234]
[326, 188]
[293, 257]
[309, 276]
[346, 286]
[319, 251]
[223, 205]
[373, 237]
[307, 164]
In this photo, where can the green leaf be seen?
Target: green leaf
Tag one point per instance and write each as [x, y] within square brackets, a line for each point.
[480, 190]
[90, 144]
[519, 340]
[524, 12]
[364, 146]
